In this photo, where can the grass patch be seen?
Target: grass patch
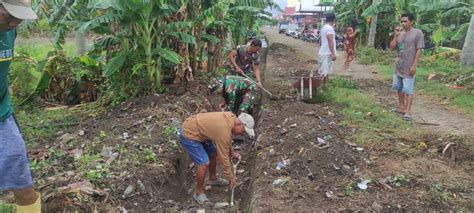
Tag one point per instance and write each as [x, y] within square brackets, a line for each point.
[448, 73]
[374, 125]
[7, 208]
[38, 125]
[39, 50]
[460, 98]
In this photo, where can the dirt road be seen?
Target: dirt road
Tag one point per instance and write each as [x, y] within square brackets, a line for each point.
[426, 109]
[305, 161]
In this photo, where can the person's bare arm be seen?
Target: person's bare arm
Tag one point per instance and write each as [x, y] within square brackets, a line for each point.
[256, 68]
[330, 38]
[232, 57]
[415, 62]
[393, 43]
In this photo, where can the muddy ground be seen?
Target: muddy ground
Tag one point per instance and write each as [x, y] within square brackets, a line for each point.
[129, 159]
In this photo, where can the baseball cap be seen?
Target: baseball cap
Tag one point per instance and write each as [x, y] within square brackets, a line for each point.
[248, 122]
[20, 9]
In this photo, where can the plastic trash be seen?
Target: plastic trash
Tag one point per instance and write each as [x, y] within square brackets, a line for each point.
[280, 165]
[280, 181]
[363, 184]
[321, 141]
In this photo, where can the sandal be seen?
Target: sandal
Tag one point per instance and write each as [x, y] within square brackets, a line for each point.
[396, 110]
[201, 199]
[218, 182]
[407, 117]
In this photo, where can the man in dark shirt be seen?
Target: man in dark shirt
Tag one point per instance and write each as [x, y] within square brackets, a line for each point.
[245, 59]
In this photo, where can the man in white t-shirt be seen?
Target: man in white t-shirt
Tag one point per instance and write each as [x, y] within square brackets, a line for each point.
[327, 52]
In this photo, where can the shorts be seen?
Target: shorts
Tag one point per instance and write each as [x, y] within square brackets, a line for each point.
[14, 168]
[198, 151]
[325, 65]
[405, 85]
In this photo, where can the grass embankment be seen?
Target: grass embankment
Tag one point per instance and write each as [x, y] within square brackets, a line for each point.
[450, 83]
[385, 135]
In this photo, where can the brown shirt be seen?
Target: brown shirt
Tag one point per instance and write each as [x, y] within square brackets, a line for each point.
[217, 127]
[407, 44]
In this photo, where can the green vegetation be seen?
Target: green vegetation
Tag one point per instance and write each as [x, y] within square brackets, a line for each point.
[451, 82]
[438, 194]
[7, 208]
[372, 122]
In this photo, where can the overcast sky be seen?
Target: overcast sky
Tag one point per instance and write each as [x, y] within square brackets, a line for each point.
[281, 3]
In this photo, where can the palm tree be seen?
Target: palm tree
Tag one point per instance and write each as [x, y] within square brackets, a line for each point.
[373, 25]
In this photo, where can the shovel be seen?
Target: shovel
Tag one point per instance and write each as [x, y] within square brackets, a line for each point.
[265, 90]
[234, 166]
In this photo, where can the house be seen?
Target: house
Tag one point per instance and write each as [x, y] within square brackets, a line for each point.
[310, 12]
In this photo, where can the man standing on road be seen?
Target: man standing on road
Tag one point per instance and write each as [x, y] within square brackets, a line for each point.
[327, 52]
[207, 137]
[408, 45]
[15, 172]
[245, 59]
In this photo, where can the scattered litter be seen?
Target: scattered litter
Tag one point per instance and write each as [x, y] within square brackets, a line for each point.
[125, 135]
[141, 185]
[240, 171]
[84, 186]
[350, 144]
[328, 137]
[128, 191]
[208, 187]
[335, 167]
[359, 149]
[201, 211]
[370, 114]
[363, 184]
[330, 114]
[299, 136]
[220, 205]
[455, 87]
[293, 125]
[122, 209]
[280, 181]
[283, 131]
[431, 76]
[81, 132]
[330, 195]
[282, 164]
[346, 167]
[321, 141]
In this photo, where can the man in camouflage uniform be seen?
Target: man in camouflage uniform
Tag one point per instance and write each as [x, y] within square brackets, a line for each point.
[245, 59]
[238, 93]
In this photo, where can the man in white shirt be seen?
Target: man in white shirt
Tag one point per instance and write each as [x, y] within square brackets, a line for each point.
[327, 52]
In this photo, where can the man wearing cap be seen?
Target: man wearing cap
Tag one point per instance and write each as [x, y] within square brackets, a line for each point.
[207, 137]
[15, 172]
[238, 93]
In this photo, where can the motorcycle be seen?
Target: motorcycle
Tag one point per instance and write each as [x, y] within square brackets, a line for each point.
[339, 42]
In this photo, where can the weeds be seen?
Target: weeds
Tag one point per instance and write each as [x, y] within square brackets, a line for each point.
[377, 126]
[438, 194]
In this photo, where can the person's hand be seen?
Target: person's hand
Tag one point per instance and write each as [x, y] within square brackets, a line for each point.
[240, 71]
[333, 56]
[232, 183]
[236, 155]
[398, 30]
[259, 84]
[413, 70]
[222, 106]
